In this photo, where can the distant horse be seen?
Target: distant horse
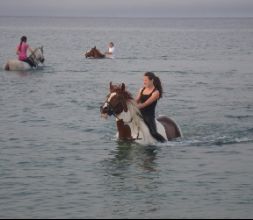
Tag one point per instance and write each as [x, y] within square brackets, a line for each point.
[36, 57]
[94, 53]
[129, 121]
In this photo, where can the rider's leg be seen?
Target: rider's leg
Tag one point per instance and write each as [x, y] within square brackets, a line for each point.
[29, 61]
[150, 121]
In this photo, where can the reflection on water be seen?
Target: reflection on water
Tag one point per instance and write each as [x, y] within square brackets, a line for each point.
[141, 156]
[20, 73]
[131, 180]
[28, 72]
[133, 163]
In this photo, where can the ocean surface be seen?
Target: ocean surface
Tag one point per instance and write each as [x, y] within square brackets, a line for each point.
[60, 159]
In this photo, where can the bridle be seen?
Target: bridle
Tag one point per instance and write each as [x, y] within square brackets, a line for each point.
[33, 57]
[111, 111]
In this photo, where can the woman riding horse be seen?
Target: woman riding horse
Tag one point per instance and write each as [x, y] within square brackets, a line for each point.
[95, 53]
[35, 58]
[22, 51]
[129, 120]
[147, 101]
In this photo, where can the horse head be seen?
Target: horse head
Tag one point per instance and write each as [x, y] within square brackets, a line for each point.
[94, 53]
[116, 101]
[37, 55]
[90, 53]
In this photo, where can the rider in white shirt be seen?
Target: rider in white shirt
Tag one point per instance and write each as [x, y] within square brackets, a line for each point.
[111, 51]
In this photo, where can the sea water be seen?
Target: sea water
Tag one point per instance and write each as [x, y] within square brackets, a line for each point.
[60, 159]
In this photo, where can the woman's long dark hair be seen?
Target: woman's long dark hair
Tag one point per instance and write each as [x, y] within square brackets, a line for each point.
[156, 81]
[23, 39]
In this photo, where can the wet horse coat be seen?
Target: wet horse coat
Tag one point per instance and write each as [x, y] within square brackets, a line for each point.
[94, 53]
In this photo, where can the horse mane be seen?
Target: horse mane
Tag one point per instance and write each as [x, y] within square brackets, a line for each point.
[131, 105]
[134, 112]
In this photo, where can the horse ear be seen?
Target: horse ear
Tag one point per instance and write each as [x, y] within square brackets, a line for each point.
[123, 87]
[111, 86]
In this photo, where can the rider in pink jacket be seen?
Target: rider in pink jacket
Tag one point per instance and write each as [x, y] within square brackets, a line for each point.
[22, 51]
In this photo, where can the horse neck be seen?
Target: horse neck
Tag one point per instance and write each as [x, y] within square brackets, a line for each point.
[131, 125]
[133, 117]
[134, 113]
[33, 54]
[98, 53]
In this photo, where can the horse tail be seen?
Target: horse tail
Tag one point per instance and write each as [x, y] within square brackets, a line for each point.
[179, 132]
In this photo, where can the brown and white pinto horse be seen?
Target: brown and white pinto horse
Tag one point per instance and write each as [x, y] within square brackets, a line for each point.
[129, 121]
[94, 53]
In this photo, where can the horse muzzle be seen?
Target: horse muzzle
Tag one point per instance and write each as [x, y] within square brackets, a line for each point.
[105, 110]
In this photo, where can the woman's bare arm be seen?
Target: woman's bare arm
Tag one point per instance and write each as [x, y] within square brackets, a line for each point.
[155, 96]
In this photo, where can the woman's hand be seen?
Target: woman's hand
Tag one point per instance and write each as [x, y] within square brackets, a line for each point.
[140, 105]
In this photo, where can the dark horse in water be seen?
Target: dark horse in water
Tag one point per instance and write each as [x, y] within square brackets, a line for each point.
[129, 121]
[94, 53]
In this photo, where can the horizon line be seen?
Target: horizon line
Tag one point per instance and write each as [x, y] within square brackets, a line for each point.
[72, 16]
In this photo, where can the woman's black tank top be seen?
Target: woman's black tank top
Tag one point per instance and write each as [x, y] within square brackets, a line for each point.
[149, 110]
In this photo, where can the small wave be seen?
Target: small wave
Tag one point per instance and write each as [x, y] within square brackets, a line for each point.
[239, 116]
[243, 140]
[49, 105]
[127, 58]
[180, 72]
[208, 141]
[76, 71]
[250, 130]
[200, 141]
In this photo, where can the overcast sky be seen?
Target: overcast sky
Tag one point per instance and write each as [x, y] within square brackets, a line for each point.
[128, 8]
